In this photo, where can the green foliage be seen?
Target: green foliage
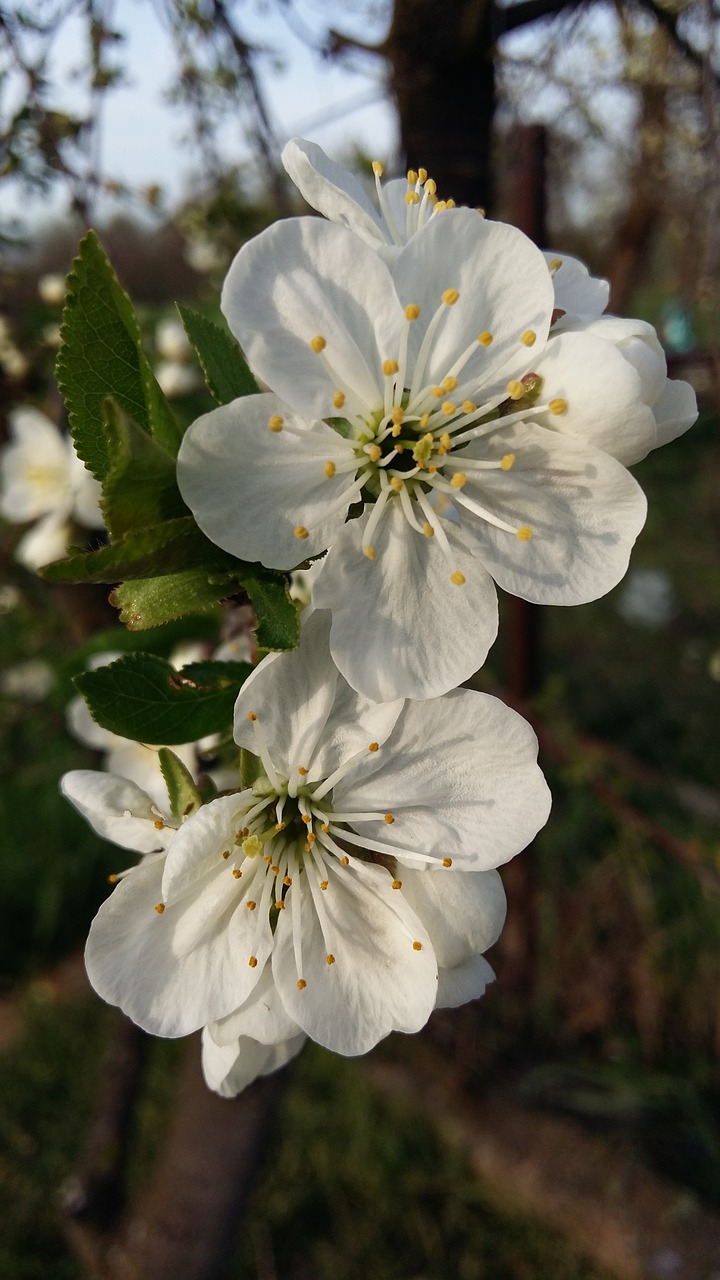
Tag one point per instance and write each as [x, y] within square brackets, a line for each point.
[101, 355]
[226, 372]
[182, 792]
[143, 697]
[140, 488]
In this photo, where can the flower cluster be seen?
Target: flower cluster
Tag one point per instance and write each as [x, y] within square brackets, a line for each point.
[448, 408]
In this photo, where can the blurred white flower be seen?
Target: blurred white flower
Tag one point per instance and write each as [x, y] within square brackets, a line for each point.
[647, 598]
[171, 340]
[176, 379]
[42, 479]
[29, 681]
[204, 256]
[52, 289]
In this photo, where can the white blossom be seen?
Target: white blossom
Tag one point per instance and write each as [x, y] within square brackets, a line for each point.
[346, 893]
[406, 393]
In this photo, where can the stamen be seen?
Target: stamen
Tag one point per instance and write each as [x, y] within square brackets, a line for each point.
[529, 338]
[160, 907]
[507, 462]
[458, 578]
[253, 962]
[447, 862]
[158, 824]
[450, 296]
[555, 265]
[558, 406]
[458, 480]
[417, 946]
[264, 753]
[524, 533]
[301, 532]
[339, 773]
[275, 423]
[515, 389]
[329, 469]
[389, 818]
[330, 959]
[318, 344]
[338, 399]
[397, 884]
[390, 367]
[485, 338]
[412, 311]
[301, 984]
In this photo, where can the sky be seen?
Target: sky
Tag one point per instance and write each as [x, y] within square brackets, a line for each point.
[144, 138]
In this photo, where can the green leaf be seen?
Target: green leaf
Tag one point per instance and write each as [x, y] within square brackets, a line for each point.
[146, 553]
[184, 795]
[278, 622]
[140, 488]
[250, 768]
[226, 372]
[101, 355]
[143, 697]
[151, 602]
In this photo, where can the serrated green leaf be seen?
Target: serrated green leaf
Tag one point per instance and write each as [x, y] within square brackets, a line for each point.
[183, 794]
[143, 697]
[101, 355]
[140, 489]
[226, 372]
[146, 553]
[278, 622]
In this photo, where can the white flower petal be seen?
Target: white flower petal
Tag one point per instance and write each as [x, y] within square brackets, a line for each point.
[230, 1069]
[201, 839]
[463, 912]
[262, 1017]
[332, 190]
[462, 781]
[47, 541]
[576, 291]
[504, 285]
[117, 809]
[250, 488]
[466, 981]
[303, 278]
[34, 468]
[401, 626]
[675, 411]
[379, 981]
[603, 393]
[584, 508]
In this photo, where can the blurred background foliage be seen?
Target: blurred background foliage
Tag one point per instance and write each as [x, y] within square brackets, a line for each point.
[607, 1004]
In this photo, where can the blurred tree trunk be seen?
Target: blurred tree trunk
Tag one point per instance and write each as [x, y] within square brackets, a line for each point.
[442, 74]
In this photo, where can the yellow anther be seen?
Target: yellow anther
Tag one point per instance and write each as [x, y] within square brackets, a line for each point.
[524, 533]
[449, 383]
[251, 715]
[226, 854]
[481, 211]
[449, 204]
[389, 818]
[458, 578]
[324, 827]
[287, 880]
[397, 415]
[428, 531]
[276, 423]
[397, 884]
[267, 859]
[390, 367]
[253, 962]
[369, 552]
[441, 204]
[412, 177]
[378, 168]
[251, 905]
[417, 946]
[301, 984]
[374, 746]
[252, 846]
[448, 408]
[424, 421]
[305, 817]
[237, 874]
[412, 197]
[112, 878]
[159, 824]
[329, 469]
[280, 826]
[160, 907]
[485, 338]
[301, 532]
[558, 406]
[279, 904]
[507, 462]
[374, 452]
[515, 389]
[338, 399]
[469, 406]
[412, 311]
[323, 884]
[447, 862]
[450, 296]
[432, 468]
[245, 831]
[556, 264]
[318, 344]
[329, 959]
[422, 176]
[431, 186]
[459, 480]
[397, 484]
[397, 429]
[275, 871]
[344, 862]
[529, 338]
[445, 441]
[438, 392]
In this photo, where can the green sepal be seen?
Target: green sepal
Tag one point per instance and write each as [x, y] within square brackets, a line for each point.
[142, 697]
[140, 489]
[250, 768]
[184, 796]
[152, 602]
[226, 372]
[101, 354]
[278, 616]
